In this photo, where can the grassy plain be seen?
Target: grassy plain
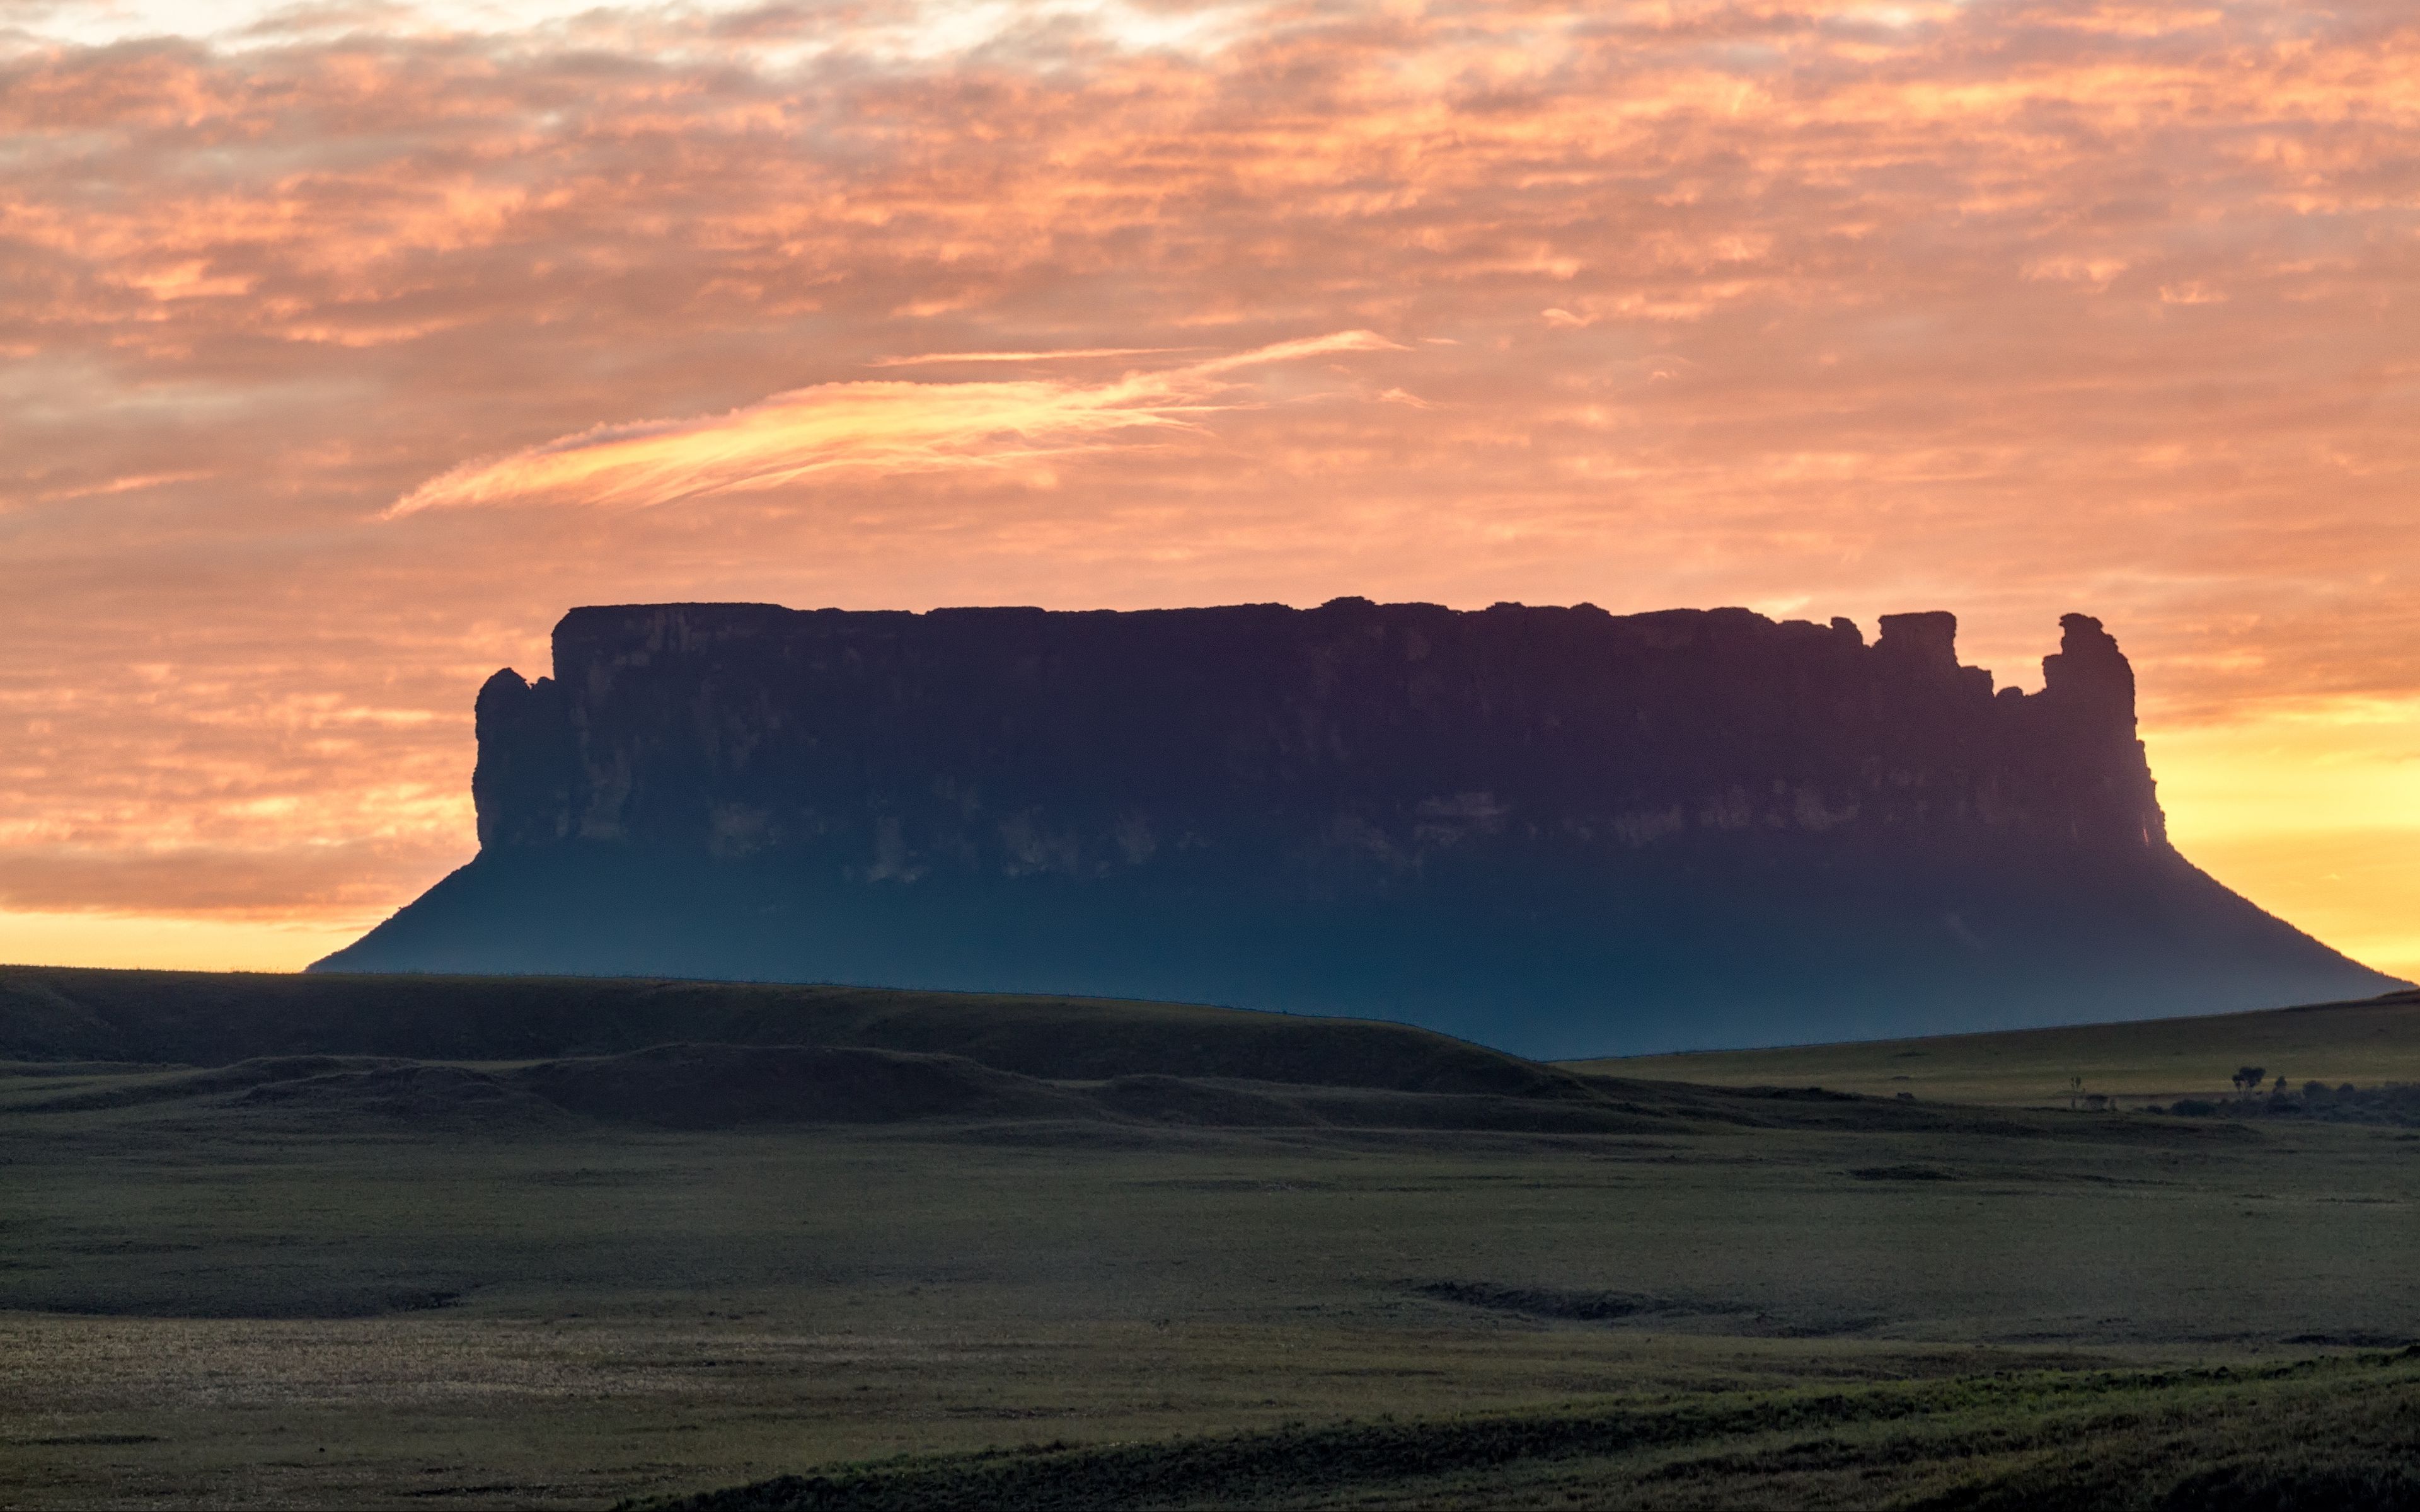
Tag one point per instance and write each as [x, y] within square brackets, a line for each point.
[2372, 1040]
[2218, 1437]
[402, 1287]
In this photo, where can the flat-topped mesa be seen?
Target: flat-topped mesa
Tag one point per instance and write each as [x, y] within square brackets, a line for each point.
[1019, 740]
[1549, 828]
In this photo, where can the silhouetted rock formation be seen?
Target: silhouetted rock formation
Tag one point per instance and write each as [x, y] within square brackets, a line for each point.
[1553, 829]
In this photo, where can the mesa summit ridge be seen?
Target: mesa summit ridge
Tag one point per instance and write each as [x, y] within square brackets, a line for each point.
[1559, 831]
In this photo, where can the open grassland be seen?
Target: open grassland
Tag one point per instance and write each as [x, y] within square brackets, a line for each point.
[2366, 1043]
[2333, 1434]
[259, 1306]
[1415, 1274]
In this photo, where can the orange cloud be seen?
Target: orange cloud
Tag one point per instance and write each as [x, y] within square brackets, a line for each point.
[878, 428]
[1072, 353]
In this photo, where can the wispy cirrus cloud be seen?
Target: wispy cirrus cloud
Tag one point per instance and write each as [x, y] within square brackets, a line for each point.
[1069, 354]
[879, 427]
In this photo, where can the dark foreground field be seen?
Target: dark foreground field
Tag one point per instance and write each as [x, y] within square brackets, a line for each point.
[883, 1250]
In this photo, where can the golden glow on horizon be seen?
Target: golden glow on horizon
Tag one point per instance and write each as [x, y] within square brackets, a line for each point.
[188, 943]
[2312, 811]
[2009, 309]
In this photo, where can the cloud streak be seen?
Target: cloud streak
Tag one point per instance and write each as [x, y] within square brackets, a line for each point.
[880, 428]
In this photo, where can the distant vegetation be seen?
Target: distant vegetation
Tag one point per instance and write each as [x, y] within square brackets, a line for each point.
[2393, 1102]
[442, 1052]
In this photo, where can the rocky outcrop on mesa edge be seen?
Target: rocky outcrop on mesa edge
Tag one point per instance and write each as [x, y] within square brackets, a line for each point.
[1557, 830]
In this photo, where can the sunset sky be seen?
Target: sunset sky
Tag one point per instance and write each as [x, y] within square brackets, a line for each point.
[345, 346]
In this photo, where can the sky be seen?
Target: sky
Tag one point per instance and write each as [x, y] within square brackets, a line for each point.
[344, 346]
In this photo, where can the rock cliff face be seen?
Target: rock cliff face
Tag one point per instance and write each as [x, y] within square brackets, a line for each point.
[1553, 830]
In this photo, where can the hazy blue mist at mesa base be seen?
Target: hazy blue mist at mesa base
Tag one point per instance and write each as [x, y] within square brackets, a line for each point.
[1554, 830]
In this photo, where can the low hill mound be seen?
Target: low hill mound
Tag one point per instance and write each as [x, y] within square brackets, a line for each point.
[492, 1051]
[710, 1086]
[215, 1019]
[499, 1052]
